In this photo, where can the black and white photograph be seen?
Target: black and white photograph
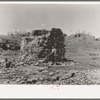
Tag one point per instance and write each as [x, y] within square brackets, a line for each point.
[49, 44]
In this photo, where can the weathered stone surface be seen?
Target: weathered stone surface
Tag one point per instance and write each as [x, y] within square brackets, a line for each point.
[45, 71]
[51, 73]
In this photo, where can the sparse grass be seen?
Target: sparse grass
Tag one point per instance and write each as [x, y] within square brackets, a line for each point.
[9, 54]
[86, 65]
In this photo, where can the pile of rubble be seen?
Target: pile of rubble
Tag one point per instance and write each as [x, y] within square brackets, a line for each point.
[24, 70]
[29, 50]
[49, 75]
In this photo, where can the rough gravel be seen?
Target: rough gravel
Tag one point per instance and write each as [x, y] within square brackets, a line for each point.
[58, 75]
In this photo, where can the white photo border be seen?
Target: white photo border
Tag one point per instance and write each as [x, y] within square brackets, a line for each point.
[45, 91]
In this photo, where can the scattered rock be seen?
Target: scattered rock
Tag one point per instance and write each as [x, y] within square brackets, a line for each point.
[38, 82]
[51, 73]
[73, 74]
[45, 71]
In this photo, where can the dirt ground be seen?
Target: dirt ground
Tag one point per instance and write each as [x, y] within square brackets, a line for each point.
[60, 75]
[9, 54]
[84, 69]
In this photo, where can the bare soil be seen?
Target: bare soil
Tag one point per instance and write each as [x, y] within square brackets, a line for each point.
[84, 69]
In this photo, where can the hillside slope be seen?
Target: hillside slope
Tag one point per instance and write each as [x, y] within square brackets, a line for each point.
[83, 48]
[82, 67]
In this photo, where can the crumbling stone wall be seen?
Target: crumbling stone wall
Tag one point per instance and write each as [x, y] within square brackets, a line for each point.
[30, 49]
[39, 46]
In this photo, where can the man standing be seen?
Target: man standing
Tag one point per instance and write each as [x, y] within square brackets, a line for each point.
[54, 55]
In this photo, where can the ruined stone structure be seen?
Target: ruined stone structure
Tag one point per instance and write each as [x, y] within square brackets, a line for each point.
[30, 48]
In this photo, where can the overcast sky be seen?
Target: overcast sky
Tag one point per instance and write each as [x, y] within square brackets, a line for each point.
[69, 17]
